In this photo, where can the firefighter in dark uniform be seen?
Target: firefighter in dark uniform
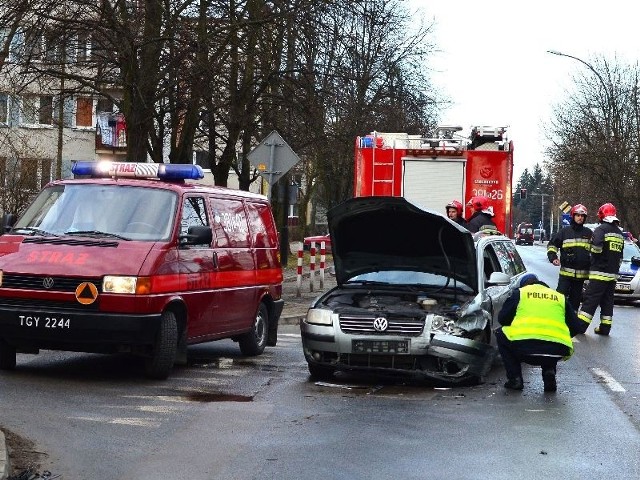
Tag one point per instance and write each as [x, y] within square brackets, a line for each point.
[481, 219]
[607, 244]
[454, 212]
[573, 244]
[537, 325]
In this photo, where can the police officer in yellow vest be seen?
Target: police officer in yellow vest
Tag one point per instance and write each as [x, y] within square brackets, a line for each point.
[537, 325]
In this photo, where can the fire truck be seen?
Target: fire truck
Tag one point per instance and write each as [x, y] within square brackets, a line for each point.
[434, 171]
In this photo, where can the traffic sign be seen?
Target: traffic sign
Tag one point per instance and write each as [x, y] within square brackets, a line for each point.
[273, 157]
[566, 219]
[565, 207]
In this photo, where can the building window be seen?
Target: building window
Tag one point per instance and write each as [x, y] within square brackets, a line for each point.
[84, 112]
[83, 52]
[36, 110]
[4, 109]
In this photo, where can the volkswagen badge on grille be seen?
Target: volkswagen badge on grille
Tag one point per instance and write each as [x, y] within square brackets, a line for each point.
[47, 282]
[380, 324]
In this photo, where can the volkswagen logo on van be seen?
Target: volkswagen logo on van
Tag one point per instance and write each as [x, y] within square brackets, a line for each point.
[47, 282]
[380, 324]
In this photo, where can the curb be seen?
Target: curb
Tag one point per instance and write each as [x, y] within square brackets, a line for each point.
[4, 458]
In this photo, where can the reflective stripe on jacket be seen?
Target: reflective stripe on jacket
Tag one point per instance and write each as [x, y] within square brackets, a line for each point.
[607, 244]
[571, 244]
[540, 315]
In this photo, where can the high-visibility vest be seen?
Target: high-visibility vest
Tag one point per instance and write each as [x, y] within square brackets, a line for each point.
[540, 315]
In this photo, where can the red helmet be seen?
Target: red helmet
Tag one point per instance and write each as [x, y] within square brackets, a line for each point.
[578, 209]
[478, 203]
[455, 204]
[607, 210]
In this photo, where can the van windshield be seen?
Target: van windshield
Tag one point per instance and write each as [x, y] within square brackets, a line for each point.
[133, 213]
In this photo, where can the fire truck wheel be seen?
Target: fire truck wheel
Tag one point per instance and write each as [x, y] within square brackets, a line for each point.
[253, 342]
[7, 356]
[163, 356]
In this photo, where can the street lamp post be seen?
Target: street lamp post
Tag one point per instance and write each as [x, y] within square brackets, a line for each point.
[597, 74]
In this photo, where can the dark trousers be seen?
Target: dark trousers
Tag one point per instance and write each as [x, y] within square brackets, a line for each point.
[515, 353]
[599, 294]
[572, 289]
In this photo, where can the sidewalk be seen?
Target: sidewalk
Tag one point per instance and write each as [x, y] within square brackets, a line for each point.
[4, 458]
[295, 307]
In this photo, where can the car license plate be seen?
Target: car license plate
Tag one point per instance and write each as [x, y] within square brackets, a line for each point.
[380, 346]
[623, 287]
[44, 321]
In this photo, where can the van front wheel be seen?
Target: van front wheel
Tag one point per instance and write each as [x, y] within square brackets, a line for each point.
[163, 356]
[253, 342]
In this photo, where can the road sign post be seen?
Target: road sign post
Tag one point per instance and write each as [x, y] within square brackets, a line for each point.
[273, 158]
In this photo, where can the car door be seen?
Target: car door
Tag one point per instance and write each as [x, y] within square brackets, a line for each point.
[500, 256]
[198, 272]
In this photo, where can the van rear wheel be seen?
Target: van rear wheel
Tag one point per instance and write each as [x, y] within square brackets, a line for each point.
[7, 356]
[253, 342]
[163, 356]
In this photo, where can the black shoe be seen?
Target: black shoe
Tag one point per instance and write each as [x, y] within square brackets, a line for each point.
[602, 329]
[549, 380]
[514, 384]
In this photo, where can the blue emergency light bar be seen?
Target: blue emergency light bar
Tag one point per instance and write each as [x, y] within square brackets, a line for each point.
[162, 171]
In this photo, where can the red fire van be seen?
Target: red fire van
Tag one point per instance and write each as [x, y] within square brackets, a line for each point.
[131, 257]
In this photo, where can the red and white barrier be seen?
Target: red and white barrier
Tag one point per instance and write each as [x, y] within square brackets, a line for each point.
[312, 266]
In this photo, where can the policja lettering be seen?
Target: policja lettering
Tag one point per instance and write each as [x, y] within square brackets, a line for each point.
[543, 296]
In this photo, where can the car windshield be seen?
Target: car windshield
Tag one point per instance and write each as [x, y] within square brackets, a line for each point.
[126, 212]
[403, 277]
[630, 250]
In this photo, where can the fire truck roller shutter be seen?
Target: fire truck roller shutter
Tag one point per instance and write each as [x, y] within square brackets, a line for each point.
[432, 183]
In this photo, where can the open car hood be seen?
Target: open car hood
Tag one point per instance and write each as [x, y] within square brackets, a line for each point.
[371, 234]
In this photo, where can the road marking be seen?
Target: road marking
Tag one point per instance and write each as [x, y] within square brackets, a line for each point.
[608, 380]
[295, 335]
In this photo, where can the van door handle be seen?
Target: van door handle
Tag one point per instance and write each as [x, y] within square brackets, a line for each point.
[215, 260]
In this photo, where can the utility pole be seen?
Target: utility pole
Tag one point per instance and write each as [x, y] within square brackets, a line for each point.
[542, 195]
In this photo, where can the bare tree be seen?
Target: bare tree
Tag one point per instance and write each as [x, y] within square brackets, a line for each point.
[595, 139]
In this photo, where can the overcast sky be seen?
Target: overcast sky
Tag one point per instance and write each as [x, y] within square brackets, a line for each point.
[492, 61]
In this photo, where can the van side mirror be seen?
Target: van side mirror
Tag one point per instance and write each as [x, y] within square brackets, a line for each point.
[8, 220]
[197, 235]
[635, 261]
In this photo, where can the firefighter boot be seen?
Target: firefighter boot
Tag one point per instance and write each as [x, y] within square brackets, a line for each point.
[514, 384]
[602, 329]
[549, 379]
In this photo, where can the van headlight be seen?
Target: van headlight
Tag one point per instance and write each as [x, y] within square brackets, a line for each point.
[123, 284]
[319, 316]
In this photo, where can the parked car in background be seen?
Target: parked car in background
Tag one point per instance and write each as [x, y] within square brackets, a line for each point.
[539, 234]
[420, 301]
[628, 283]
[317, 241]
[524, 234]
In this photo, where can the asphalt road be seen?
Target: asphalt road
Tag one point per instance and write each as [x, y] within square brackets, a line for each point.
[225, 416]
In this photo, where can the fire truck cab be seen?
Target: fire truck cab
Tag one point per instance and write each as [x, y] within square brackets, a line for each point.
[433, 171]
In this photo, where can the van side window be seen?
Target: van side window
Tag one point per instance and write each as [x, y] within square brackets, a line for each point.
[194, 213]
[230, 227]
[261, 225]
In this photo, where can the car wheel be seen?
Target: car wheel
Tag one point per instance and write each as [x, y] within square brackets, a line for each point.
[7, 356]
[163, 355]
[253, 342]
[321, 372]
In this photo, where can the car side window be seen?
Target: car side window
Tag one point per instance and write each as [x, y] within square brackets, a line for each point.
[505, 258]
[491, 263]
[194, 213]
[518, 263]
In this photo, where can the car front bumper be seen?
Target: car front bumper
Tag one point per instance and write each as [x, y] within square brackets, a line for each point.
[439, 357]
